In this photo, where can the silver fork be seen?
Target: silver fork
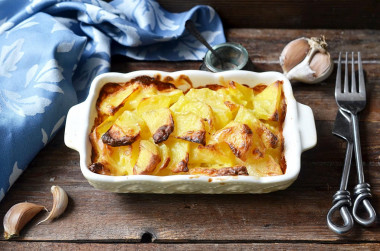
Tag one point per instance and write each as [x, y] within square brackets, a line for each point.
[353, 101]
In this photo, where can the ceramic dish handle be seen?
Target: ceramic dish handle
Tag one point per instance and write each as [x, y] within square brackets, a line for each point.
[306, 127]
[73, 130]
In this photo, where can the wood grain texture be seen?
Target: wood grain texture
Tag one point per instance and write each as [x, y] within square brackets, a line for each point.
[292, 219]
[296, 14]
[189, 247]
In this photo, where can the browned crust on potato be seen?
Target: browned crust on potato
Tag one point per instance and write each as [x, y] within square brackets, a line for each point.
[165, 164]
[226, 171]
[272, 138]
[230, 105]
[163, 132]
[153, 162]
[275, 116]
[259, 88]
[115, 137]
[99, 168]
[241, 147]
[257, 153]
[194, 136]
[182, 165]
[213, 87]
[147, 80]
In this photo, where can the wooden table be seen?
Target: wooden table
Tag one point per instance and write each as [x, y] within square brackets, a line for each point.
[291, 219]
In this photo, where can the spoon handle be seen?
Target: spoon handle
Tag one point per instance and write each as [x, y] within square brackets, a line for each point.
[190, 26]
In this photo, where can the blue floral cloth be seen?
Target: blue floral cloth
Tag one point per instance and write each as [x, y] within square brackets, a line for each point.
[50, 51]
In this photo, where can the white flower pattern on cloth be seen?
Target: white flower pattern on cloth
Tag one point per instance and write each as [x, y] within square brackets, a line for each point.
[51, 50]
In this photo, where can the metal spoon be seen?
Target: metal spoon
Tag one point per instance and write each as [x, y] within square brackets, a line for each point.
[190, 26]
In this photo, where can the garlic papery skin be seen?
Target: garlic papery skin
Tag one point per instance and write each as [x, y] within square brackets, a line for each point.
[17, 217]
[307, 60]
[60, 201]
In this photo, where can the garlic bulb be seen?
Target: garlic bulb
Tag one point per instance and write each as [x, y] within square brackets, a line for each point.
[60, 201]
[17, 217]
[307, 60]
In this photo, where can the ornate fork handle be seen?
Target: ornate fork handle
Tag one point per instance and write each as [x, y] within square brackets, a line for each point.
[341, 202]
[362, 191]
[342, 198]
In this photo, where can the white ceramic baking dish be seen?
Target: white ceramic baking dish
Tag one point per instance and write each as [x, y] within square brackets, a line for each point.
[299, 135]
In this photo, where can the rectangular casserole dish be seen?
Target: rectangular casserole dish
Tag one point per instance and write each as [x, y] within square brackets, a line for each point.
[299, 135]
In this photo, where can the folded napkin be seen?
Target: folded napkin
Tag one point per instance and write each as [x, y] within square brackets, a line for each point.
[51, 50]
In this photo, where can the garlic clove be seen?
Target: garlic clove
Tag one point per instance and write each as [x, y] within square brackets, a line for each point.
[293, 53]
[322, 65]
[306, 60]
[18, 216]
[60, 201]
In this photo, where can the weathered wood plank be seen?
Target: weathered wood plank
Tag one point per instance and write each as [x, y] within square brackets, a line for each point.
[296, 14]
[189, 247]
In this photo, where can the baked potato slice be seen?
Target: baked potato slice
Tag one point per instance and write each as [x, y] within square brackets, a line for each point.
[115, 100]
[212, 154]
[267, 103]
[146, 91]
[263, 137]
[125, 130]
[266, 166]
[149, 158]
[239, 138]
[238, 94]
[216, 101]
[165, 156]
[204, 111]
[151, 103]
[160, 123]
[179, 155]
[189, 127]
[172, 94]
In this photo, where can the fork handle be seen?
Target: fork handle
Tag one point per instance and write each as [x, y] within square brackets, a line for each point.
[358, 150]
[341, 202]
[363, 193]
[362, 190]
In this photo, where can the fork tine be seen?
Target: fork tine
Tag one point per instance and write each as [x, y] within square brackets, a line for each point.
[345, 90]
[353, 81]
[338, 83]
[361, 75]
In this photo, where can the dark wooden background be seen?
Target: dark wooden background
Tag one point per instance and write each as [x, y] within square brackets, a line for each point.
[293, 219]
[295, 14]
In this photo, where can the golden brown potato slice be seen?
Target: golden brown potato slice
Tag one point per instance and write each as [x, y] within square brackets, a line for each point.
[165, 156]
[179, 155]
[266, 103]
[238, 94]
[238, 136]
[160, 123]
[114, 101]
[218, 153]
[262, 135]
[146, 91]
[149, 158]
[216, 101]
[124, 131]
[266, 166]
[172, 94]
[186, 105]
[189, 127]
[152, 103]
